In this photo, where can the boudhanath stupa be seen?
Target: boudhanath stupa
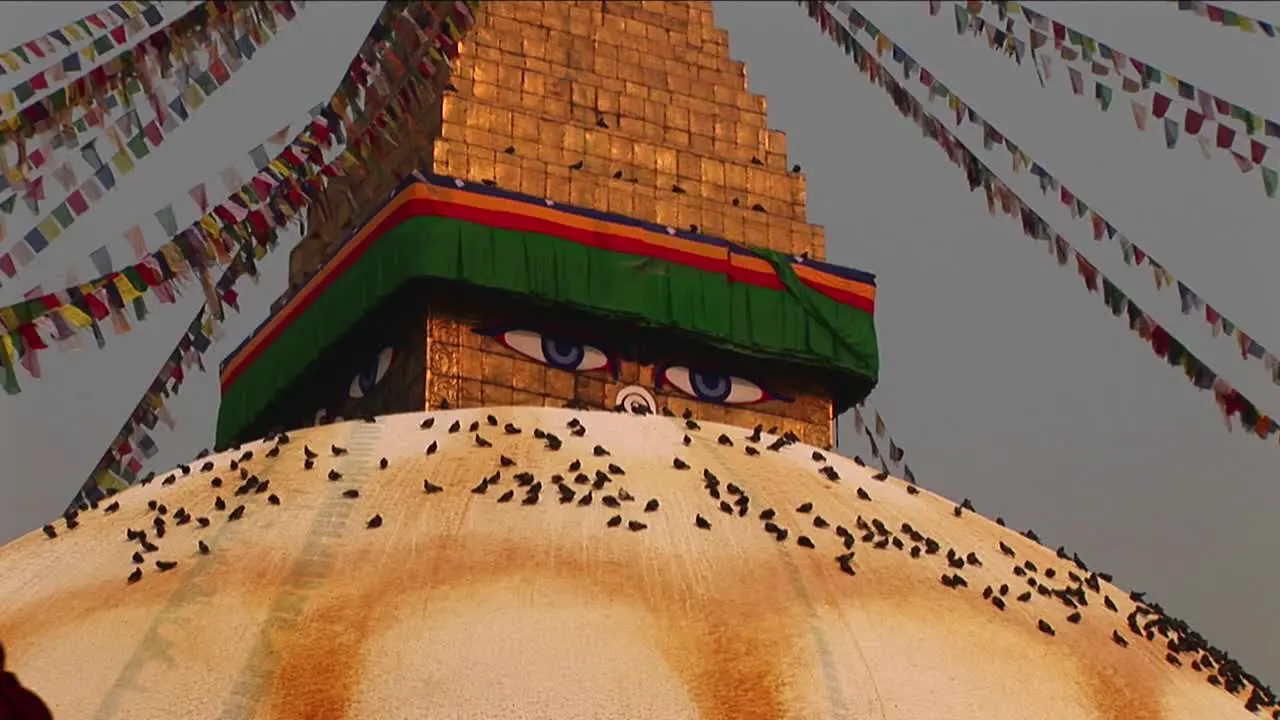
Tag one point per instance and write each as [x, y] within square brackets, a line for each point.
[543, 428]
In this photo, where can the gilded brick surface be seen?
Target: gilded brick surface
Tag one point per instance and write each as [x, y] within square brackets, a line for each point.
[645, 97]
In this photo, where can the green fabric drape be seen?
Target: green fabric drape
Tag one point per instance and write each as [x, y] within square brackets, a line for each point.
[798, 325]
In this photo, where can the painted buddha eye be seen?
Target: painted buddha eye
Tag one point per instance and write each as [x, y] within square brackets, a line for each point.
[368, 378]
[554, 352]
[714, 387]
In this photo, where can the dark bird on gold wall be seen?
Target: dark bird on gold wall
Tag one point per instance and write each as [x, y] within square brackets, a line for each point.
[374, 522]
[511, 150]
[701, 522]
[351, 494]
[677, 190]
[429, 488]
[795, 168]
[576, 166]
[758, 208]
[600, 122]
[617, 175]
[680, 464]
[756, 161]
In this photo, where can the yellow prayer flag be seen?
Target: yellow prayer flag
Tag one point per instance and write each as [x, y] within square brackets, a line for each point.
[127, 291]
[10, 61]
[882, 44]
[211, 226]
[193, 97]
[8, 102]
[89, 54]
[50, 228]
[108, 480]
[281, 169]
[1246, 24]
[8, 352]
[123, 162]
[176, 262]
[9, 318]
[73, 33]
[75, 316]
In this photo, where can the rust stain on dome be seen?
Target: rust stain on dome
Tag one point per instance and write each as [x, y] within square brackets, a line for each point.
[303, 607]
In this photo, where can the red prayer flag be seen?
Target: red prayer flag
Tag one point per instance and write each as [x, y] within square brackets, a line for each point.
[77, 203]
[1194, 122]
[1257, 151]
[1226, 136]
[1159, 105]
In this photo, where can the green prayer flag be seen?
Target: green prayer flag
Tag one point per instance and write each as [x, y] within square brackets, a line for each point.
[23, 91]
[1269, 181]
[1103, 94]
[206, 83]
[7, 204]
[22, 53]
[59, 99]
[9, 378]
[138, 146]
[103, 44]
[63, 215]
[962, 19]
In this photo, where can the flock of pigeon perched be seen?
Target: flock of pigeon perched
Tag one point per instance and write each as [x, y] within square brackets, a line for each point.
[1057, 598]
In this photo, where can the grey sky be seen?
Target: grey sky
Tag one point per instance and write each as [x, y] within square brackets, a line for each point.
[1002, 378]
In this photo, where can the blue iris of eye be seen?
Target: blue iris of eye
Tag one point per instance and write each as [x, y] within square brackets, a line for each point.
[562, 355]
[711, 387]
[368, 377]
